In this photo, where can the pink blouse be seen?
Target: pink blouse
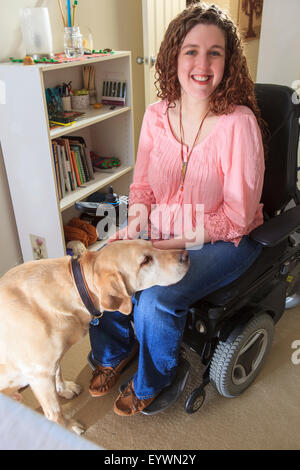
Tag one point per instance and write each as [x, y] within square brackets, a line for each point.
[225, 173]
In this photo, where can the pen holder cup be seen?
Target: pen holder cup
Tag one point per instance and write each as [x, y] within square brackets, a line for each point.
[80, 101]
[66, 103]
[93, 96]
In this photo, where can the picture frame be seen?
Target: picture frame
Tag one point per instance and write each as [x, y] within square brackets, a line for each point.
[249, 18]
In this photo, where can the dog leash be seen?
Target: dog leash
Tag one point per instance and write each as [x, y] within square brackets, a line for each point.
[83, 292]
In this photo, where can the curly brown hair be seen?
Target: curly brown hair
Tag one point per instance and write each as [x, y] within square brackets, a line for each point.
[236, 87]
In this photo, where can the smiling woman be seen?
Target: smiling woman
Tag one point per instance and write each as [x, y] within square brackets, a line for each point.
[236, 85]
[201, 63]
[200, 147]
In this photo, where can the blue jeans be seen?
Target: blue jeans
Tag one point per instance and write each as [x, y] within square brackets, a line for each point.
[160, 315]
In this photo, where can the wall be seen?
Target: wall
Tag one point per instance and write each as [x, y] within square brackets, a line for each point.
[250, 47]
[279, 53]
[114, 23]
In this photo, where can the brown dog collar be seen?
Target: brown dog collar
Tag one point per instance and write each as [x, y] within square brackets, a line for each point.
[83, 291]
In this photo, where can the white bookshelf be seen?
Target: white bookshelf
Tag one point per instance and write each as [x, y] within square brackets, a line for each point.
[26, 142]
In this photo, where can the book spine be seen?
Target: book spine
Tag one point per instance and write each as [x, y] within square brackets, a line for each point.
[75, 168]
[66, 168]
[73, 173]
[89, 162]
[79, 166]
[61, 172]
[84, 162]
[56, 170]
[69, 166]
[79, 163]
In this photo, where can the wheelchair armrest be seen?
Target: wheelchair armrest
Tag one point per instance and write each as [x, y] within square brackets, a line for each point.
[277, 229]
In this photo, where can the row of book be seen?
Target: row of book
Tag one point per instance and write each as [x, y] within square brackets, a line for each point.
[73, 165]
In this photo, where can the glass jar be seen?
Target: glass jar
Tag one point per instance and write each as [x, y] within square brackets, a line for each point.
[73, 43]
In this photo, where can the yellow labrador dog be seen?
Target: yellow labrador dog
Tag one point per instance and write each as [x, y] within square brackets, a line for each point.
[42, 313]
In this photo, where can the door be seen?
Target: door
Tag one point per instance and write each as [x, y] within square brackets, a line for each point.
[157, 14]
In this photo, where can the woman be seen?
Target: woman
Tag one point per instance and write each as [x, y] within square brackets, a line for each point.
[200, 146]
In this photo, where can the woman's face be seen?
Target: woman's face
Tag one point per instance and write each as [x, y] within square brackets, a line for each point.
[201, 61]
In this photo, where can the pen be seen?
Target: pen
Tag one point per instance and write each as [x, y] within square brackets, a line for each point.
[61, 12]
[69, 13]
[74, 8]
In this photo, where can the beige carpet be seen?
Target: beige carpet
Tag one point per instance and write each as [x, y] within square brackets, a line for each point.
[266, 416]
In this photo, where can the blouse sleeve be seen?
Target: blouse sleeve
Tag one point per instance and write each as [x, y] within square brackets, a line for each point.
[243, 167]
[140, 190]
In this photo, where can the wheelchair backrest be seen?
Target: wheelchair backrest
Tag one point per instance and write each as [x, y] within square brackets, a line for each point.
[282, 116]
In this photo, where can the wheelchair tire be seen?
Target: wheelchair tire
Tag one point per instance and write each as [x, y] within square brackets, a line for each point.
[237, 361]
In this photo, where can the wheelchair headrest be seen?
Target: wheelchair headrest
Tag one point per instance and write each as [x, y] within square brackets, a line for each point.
[281, 112]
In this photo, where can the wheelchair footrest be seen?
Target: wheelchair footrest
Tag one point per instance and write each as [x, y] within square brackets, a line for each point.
[169, 395]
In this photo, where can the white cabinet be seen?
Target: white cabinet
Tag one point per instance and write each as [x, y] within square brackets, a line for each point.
[27, 142]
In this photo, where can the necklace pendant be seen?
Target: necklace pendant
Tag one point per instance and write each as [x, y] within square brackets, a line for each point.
[183, 169]
[181, 187]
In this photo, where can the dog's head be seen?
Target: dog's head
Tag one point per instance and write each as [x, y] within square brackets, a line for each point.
[124, 267]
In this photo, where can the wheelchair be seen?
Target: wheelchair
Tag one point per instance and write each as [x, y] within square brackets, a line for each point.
[232, 328]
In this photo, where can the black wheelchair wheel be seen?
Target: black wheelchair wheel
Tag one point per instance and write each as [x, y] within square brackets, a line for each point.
[195, 400]
[237, 361]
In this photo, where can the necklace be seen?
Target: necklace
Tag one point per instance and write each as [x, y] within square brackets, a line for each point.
[184, 163]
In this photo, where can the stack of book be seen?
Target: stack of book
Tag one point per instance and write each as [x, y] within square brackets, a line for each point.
[72, 162]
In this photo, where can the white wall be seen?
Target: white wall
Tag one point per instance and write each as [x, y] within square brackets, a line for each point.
[279, 50]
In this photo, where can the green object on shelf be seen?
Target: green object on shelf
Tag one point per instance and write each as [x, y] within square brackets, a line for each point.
[36, 61]
[81, 92]
[15, 60]
[103, 51]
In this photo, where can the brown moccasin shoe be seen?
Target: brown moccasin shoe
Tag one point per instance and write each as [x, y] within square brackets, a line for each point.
[104, 378]
[128, 404]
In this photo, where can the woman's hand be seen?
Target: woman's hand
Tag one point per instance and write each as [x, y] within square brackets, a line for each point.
[137, 219]
[180, 243]
[172, 244]
[130, 232]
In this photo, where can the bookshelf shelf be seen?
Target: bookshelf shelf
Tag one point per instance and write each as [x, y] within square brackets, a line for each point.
[88, 61]
[101, 180]
[92, 116]
[27, 143]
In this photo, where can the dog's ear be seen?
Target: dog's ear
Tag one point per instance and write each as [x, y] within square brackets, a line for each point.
[114, 294]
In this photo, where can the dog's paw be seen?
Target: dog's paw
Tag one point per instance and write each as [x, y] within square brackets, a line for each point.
[76, 427]
[70, 390]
